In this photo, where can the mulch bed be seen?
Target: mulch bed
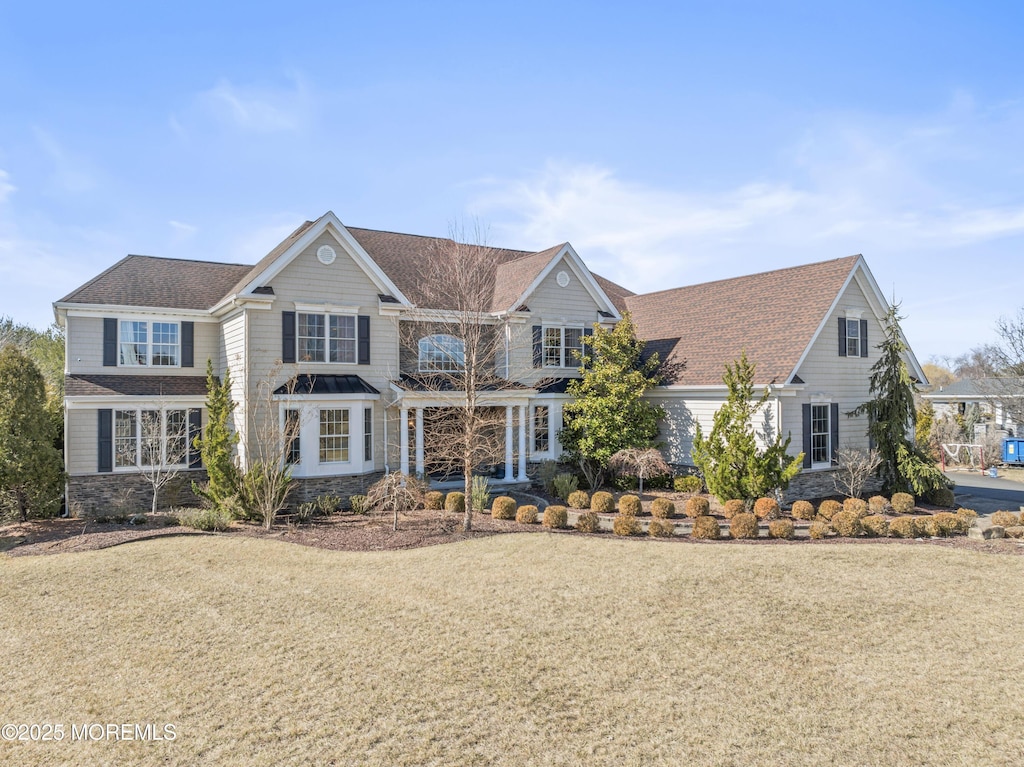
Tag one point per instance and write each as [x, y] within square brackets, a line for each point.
[349, 532]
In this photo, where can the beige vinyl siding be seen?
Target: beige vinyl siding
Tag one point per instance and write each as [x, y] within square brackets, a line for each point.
[233, 357]
[684, 411]
[550, 304]
[85, 347]
[307, 281]
[830, 378]
[81, 434]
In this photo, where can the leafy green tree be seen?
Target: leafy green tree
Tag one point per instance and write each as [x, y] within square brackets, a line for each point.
[31, 472]
[923, 427]
[733, 465]
[892, 415]
[217, 445]
[46, 349]
[608, 412]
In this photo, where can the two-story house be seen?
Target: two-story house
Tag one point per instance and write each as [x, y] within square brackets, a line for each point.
[332, 334]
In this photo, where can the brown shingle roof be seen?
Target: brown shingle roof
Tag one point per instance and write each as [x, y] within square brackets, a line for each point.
[133, 385]
[772, 316]
[512, 278]
[171, 283]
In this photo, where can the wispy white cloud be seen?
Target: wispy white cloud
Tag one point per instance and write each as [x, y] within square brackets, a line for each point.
[182, 230]
[258, 109]
[6, 187]
[71, 173]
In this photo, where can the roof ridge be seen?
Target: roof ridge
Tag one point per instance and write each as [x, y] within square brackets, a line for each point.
[746, 276]
[446, 239]
[189, 260]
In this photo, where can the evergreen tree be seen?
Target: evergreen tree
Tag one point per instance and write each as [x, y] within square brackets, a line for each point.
[730, 460]
[608, 412]
[31, 471]
[891, 416]
[216, 446]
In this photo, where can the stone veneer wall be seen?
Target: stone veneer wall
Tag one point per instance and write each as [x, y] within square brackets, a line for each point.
[308, 488]
[808, 485]
[105, 495]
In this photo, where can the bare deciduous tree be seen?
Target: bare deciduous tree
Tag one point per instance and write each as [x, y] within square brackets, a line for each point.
[639, 463]
[395, 492]
[159, 447]
[463, 348]
[856, 467]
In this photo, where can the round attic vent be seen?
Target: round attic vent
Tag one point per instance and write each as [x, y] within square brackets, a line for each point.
[563, 279]
[326, 254]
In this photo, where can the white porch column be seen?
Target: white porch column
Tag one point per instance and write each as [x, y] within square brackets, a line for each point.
[522, 443]
[403, 442]
[508, 443]
[419, 440]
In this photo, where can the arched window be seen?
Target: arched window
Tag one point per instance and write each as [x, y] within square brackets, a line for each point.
[441, 354]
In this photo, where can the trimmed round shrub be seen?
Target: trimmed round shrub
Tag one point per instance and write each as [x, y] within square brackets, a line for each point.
[828, 509]
[503, 507]
[743, 525]
[1015, 531]
[626, 524]
[818, 530]
[688, 484]
[661, 528]
[455, 501]
[856, 506]
[527, 515]
[903, 527]
[578, 499]
[942, 497]
[921, 526]
[966, 518]
[875, 526]
[780, 528]
[802, 510]
[588, 522]
[663, 508]
[731, 508]
[946, 523]
[706, 529]
[630, 506]
[766, 508]
[698, 506]
[556, 517]
[602, 502]
[878, 504]
[902, 503]
[1005, 519]
[847, 524]
[433, 500]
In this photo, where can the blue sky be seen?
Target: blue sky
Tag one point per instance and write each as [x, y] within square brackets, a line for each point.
[671, 143]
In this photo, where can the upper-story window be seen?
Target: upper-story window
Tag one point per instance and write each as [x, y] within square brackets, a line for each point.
[144, 342]
[562, 347]
[326, 337]
[441, 353]
[853, 336]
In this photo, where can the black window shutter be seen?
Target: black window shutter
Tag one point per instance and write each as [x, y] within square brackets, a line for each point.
[195, 429]
[363, 339]
[105, 440]
[587, 333]
[833, 422]
[109, 342]
[287, 336]
[807, 436]
[538, 351]
[863, 338]
[188, 344]
[842, 336]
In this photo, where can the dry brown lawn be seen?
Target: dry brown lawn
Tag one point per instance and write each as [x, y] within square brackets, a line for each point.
[518, 650]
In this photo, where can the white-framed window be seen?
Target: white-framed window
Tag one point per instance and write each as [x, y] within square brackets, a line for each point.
[852, 337]
[367, 433]
[541, 420]
[325, 337]
[149, 437]
[145, 342]
[441, 353]
[334, 435]
[821, 435]
[562, 347]
[293, 435]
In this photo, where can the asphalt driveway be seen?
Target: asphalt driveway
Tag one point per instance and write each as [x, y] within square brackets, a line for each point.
[986, 494]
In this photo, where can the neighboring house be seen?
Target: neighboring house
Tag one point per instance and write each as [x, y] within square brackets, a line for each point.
[812, 331]
[999, 400]
[332, 308]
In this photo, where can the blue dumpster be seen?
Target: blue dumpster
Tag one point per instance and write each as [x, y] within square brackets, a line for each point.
[1013, 451]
